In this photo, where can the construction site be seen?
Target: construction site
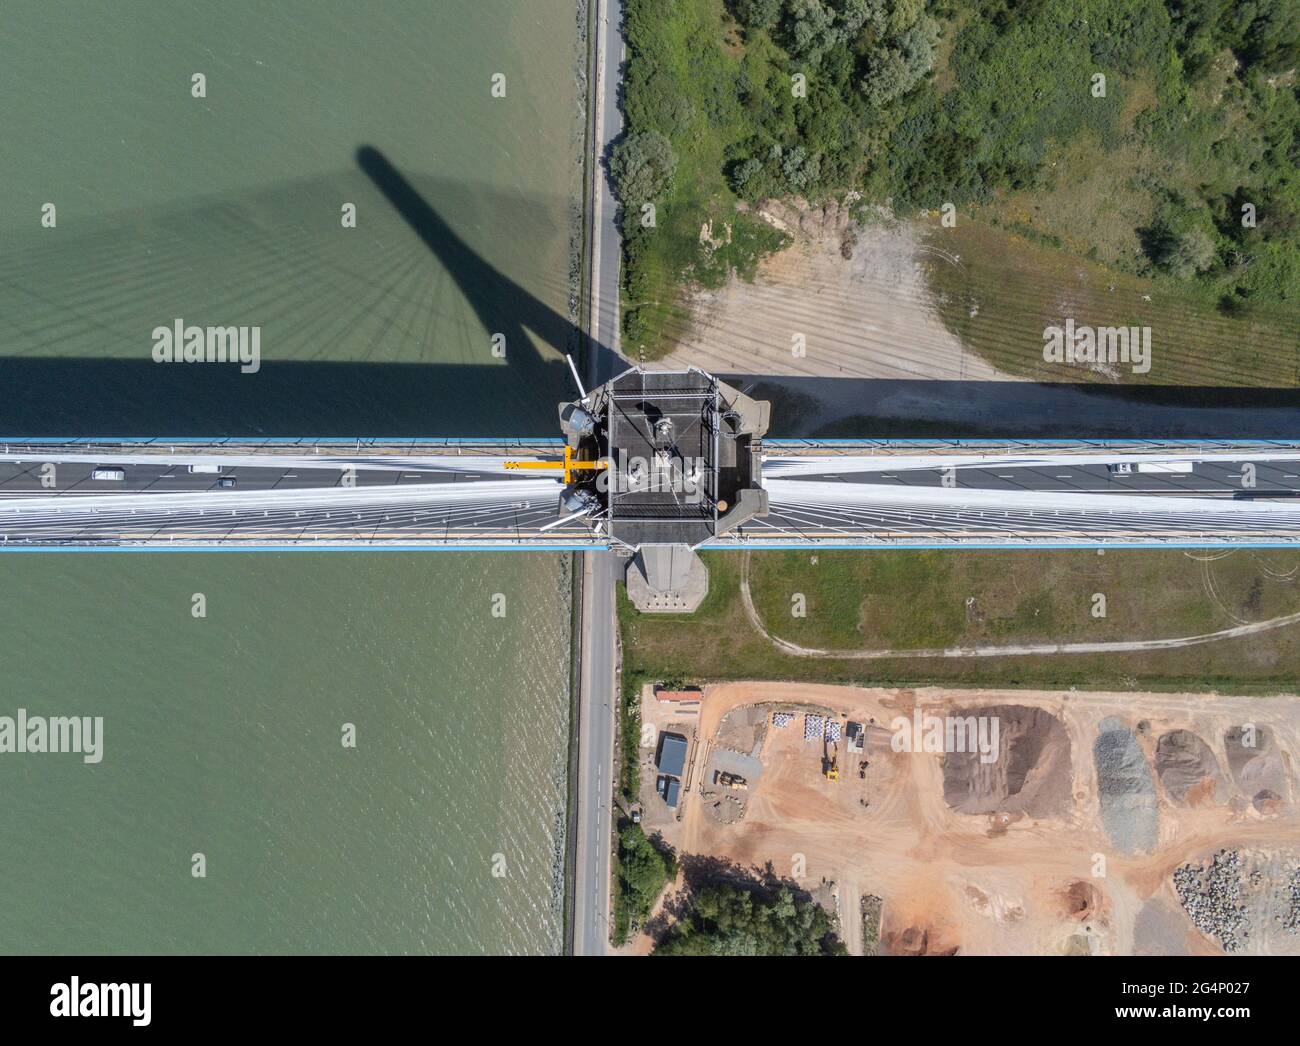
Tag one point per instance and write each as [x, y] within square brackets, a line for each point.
[1067, 823]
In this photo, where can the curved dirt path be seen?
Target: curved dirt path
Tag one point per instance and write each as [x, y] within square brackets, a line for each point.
[1016, 650]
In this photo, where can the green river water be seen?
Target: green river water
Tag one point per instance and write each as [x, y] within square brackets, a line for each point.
[222, 734]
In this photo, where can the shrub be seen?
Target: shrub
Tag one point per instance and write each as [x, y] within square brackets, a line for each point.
[758, 14]
[1188, 253]
[642, 167]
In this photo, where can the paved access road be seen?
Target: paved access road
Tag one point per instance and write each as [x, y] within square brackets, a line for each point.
[597, 701]
[1067, 473]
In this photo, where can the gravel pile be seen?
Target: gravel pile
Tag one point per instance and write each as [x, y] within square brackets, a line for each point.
[1291, 921]
[1126, 792]
[1212, 897]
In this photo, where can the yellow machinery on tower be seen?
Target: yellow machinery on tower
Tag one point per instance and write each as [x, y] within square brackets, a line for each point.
[569, 465]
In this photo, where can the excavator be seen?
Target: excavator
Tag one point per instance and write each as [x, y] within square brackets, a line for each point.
[830, 760]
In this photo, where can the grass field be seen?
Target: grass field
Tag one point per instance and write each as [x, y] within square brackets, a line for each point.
[923, 599]
[1159, 151]
[1009, 284]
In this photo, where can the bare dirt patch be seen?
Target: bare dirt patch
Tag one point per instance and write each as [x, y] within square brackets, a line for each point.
[857, 293]
[1160, 929]
[948, 881]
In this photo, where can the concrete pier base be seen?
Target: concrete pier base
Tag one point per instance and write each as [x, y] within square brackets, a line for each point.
[666, 579]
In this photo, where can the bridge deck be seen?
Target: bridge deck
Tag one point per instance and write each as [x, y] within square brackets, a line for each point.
[437, 494]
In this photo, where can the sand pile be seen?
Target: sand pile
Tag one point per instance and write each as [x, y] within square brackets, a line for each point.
[1188, 770]
[1257, 767]
[1031, 774]
[916, 940]
[743, 729]
[1082, 900]
[1125, 789]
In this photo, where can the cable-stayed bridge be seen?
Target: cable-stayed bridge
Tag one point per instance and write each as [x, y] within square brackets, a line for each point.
[453, 494]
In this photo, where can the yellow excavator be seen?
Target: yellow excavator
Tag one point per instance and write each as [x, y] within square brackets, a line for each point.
[831, 761]
[569, 465]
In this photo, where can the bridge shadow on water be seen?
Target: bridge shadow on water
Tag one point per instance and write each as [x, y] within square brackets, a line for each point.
[53, 395]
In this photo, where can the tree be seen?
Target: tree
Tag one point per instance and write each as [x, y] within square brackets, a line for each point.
[818, 26]
[642, 167]
[736, 920]
[1264, 33]
[887, 78]
[917, 44]
[812, 30]
[800, 169]
[758, 14]
[894, 70]
[1188, 253]
[643, 871]
[745, 179]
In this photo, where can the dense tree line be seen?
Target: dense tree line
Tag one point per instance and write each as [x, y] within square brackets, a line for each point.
[740, 920]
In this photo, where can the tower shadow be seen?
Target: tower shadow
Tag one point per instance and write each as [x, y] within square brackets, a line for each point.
[482, 285]
[79, 360]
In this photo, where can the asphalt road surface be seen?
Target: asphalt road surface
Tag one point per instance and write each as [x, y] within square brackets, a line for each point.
[76, 477]
[1233, 477]
[1252, 494]
[596, 703]
[597, 698]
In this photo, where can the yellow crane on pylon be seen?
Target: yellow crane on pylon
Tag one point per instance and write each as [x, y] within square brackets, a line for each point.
[569, 465]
